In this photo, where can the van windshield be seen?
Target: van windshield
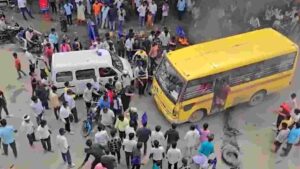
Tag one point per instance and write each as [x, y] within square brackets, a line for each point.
[116, 62]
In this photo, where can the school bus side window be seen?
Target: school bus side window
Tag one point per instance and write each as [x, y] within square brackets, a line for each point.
[64, 76]
[85, 74]
[107, 72]
[198, 87]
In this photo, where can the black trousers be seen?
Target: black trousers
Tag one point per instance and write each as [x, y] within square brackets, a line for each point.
[145, 147]
[56, 47]
[13, 147]
[53, 7]
[122, 135]
[67, 125]
[69, 19]
[279, 119]
[31, 138]
[46, 143]
[118, 155]
[88, 106]
[56, 111]
[128, 156]
[74, 112]
[4, 107]
[170, 165]
[95, 162]
[287, 149]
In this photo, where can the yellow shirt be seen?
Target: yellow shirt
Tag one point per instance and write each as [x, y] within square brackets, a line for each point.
[121, 125]
[288, 122]
[54, 100]
[66, 89]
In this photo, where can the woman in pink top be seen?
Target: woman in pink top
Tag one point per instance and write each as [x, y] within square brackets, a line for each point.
[204, 132]
[65, 47]
[153, 53]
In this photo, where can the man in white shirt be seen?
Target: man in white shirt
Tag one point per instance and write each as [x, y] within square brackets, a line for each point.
[107, 117]
[142, 13]
[129, 129]
[28, 128]
[101, 137]
[23, 9]
[153, 9]
[191, 140]
[71, 103]
[128, 145]
[165, 38]
[157, 135]
[129, 47]
[64, 114]
[64, 148]
[173, 156]
[43, 133]
[157, 153]
[87, 96]
[37, 108]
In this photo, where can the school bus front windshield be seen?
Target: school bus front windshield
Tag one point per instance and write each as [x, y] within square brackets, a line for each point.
[169, 80]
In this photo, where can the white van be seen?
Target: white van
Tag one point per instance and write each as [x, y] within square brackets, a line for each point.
[79, 68]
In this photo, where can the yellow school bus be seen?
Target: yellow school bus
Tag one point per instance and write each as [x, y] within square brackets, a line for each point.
[206, 78]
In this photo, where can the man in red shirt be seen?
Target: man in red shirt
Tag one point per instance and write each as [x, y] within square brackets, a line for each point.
[18, 66]
[48, 51]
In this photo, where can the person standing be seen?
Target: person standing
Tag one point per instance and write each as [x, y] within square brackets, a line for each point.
[64, 147]
[107, 117]
[157, 135]
[28, 128]
[8, 138]
[143, 134]
[165, 12]
[37, 108]
[142, 13]
[64, 114]
[173, 156]
[191, 140]
[115, 144]
[181, 6]
[23, 8]
[104, 14]
[157, 154]
[53, 6]
[128, 145]
[137, 156]
[95, 150]
[117, 103]
[129, 47]
[43, 133]
[43, 94]
[204, 133]
[172, 135]
[54, 101]
[112, 17]
[48, 52]
[130, 129]
[292, 139]
[64, 47]
[121, 125]
[80, 13]
[71, 103]
[53, 39]
[165, 38]
[153, 10]
[97, 7]
[18, 66]
[121, 17]
[3, 104]
[68, 7]
[101, 137]
[87, 96]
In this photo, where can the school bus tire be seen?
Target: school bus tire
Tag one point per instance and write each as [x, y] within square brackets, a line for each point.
[257, 98]
[197, 115]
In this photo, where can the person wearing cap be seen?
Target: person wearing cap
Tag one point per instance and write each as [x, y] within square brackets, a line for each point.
[64, 114]
[37, 108]
[64, 147]
[8, 138]
[3, 104]
[27, 127]
[71, 103]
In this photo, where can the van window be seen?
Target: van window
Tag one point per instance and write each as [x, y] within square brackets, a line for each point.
[85, 74]
[107, 72]
[64, 76]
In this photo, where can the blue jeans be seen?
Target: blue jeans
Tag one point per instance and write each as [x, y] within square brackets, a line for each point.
[142, 21]
[23, 10]
[213, 163]
[67, 157]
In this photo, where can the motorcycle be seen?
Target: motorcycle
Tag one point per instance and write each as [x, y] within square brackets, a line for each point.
[10, 34]
[36, 47]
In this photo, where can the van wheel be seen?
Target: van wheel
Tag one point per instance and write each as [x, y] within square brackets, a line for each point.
[197, 115]
[257, 98]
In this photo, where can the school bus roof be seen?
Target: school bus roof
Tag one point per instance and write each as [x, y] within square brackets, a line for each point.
[228, 53]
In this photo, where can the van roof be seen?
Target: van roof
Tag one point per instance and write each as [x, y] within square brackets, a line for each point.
[81, 58]
[228, 53]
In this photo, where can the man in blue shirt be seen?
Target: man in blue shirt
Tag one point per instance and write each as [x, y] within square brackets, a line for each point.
[7, 137]
[53, 39]
[293, 138]
[207, 148]
[181, 5]
[103, 102]
[68, 12]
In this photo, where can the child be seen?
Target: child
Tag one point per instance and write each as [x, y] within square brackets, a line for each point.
[281, 137]
[185, 164]
[204, 132]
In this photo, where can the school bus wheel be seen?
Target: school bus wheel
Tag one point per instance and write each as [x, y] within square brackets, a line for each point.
[197, 115]
[257, 98]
